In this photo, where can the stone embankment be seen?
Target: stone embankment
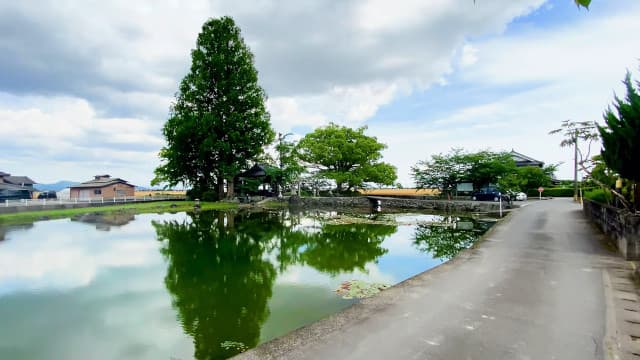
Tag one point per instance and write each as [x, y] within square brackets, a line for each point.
[396, 203]
[619, 225]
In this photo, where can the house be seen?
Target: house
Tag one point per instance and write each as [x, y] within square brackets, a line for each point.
[15, 187]
[523, 160]
[13, 192]
[22, 181]
[102, 186]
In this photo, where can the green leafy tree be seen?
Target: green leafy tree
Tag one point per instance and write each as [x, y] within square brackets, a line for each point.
[443, 171]
[487, 167]
[347, 156]
[218, 121]
[289, 166]
[601, 173]
[528, 177]
[481, 168]
[621, 136]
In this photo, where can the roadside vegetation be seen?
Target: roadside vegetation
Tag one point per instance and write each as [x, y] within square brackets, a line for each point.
[615, 169]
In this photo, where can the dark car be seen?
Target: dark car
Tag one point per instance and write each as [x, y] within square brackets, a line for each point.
[47, 195]
[489, 194]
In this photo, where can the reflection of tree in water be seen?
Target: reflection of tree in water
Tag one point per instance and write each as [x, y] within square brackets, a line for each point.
[219, 280]
[5, 229]
[448, 238]
[344, 248]
[333, 248]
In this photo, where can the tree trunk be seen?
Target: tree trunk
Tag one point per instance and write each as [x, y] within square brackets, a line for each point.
[230, 188]
[220, 188]
[339, 188]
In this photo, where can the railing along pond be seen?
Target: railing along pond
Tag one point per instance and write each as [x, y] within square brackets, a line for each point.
[101, 200]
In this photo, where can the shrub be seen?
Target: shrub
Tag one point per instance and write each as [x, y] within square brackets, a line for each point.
[602, 196]
[553, 192]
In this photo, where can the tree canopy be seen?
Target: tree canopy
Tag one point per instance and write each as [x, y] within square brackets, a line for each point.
[347, 156]
[444, 171]
[218, 121]
[621, 136]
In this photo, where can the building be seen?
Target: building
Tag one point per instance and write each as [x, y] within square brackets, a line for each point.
[102, 186]
[523, 160]
[15, 187]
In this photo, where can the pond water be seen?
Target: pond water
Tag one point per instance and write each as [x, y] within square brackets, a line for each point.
[204, 286]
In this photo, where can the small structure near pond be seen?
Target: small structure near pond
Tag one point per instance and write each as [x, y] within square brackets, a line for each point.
[260, 180]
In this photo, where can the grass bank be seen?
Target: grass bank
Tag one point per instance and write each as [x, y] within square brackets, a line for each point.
[135, 208]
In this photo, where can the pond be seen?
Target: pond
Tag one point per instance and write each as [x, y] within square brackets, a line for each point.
[199, 285]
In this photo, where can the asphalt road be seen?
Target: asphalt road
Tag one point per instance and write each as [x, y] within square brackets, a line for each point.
[533, 289]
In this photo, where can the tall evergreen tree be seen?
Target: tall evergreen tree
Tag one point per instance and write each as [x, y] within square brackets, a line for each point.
[218, 121]
[621, 136]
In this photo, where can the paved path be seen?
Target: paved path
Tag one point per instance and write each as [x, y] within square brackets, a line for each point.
[541, 286]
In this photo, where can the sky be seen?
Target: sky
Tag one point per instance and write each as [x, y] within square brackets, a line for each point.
[86, 86]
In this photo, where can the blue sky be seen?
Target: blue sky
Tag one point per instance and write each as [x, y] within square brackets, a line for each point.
[85, 87]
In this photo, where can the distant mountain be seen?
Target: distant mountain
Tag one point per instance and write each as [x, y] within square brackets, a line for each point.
[56, 186]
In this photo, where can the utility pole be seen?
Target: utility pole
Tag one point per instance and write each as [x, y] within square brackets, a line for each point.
[575, 166]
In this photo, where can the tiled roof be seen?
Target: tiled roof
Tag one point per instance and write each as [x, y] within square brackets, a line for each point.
[3, 174]
[101, 183]
[19, 180]
[524, 158]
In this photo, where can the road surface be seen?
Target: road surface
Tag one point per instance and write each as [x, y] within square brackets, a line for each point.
[538, 287]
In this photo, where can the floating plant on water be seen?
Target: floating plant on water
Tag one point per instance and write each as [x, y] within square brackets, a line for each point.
[358, 289]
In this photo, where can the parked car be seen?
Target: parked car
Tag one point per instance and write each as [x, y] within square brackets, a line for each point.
[489, 194]
[48, 195]
[521, 196]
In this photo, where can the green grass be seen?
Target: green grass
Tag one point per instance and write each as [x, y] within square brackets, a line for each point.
[149, 207]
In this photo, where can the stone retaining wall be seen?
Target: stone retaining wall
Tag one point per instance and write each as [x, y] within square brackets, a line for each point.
[395, 203]
[620, 225]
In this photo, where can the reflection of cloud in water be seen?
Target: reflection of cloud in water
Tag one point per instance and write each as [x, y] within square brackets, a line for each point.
[59, 254]
[308, 276]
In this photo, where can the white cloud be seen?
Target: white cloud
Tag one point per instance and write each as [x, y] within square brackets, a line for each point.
[557, 74]
[65, 137]
[113, 65]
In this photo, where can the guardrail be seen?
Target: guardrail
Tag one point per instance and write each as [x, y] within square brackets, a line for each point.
[101, 200]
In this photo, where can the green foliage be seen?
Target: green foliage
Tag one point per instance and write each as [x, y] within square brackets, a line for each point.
[583, 3]
[290, 167]
[347, 156]
[528, 177]
[218, 121]
[552, 192]
[601, 173]
[486, 167]
[444, 171]
[621, 135]
[445, 240]
[602, 196]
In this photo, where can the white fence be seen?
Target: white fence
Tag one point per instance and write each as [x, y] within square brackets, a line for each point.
[101, 200]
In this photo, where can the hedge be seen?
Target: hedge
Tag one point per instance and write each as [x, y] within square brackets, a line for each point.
[553, 192]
